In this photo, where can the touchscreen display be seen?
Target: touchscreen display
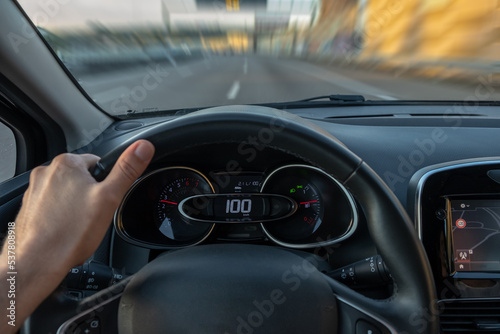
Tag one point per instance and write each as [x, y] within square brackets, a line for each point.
[475, 228]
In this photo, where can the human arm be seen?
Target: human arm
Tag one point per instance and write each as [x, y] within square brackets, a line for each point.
[64, 216]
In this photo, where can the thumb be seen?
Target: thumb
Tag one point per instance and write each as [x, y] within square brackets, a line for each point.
[129, 166]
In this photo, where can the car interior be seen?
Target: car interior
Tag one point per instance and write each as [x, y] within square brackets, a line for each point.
[337, 212]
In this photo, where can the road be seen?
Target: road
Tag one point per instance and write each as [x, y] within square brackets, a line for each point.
[255, 79]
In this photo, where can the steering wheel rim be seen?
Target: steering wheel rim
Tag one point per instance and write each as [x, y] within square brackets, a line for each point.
[389, 225]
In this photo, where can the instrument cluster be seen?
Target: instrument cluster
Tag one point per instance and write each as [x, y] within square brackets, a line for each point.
[297, 206]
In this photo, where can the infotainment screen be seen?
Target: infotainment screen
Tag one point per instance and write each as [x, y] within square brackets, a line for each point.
[475, 234]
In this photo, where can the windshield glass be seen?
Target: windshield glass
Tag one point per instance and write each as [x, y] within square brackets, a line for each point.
[139, 56]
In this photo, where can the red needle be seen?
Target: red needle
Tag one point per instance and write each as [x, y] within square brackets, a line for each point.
[168, 202]
[308, 202]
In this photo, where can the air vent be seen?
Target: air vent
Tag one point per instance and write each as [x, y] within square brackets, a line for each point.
[470, 316]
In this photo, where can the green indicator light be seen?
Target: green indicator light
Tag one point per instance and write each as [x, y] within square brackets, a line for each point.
[299, 187]
[292, 190]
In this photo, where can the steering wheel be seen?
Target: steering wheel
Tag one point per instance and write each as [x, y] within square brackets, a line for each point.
[234, 288]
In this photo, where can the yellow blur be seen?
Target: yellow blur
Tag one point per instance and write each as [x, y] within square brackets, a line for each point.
[233, 5]
[432, 29]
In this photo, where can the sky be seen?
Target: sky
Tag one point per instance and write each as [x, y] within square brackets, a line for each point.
[60, 14]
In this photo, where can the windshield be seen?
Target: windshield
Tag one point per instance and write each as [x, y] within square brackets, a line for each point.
[140, 56]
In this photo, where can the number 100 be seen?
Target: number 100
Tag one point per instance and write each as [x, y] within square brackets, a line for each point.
[238, 206]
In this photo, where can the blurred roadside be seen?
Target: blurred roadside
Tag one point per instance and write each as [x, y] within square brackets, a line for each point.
[453, 40]
[100, 49]
[457, 40]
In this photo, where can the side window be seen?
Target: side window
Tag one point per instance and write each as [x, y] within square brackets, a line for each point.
[7, 153]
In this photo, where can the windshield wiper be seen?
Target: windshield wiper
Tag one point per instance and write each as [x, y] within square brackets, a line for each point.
[319, 101]
[335, 97]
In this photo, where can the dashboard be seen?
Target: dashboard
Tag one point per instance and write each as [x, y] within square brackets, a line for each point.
[213, 194]
[428, 140]
[433, 168]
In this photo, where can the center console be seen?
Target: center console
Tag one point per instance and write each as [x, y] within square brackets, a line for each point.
[456, 210]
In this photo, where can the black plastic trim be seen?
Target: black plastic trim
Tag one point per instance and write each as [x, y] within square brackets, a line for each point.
[38, 136]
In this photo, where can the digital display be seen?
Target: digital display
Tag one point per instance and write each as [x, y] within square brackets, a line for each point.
[240, 208]
[244, 208]
[237, 183]
[475, 229]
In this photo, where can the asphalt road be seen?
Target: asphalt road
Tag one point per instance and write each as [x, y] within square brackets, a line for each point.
[255, 79]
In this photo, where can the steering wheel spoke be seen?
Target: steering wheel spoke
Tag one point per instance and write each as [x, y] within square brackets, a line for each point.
[358, 311]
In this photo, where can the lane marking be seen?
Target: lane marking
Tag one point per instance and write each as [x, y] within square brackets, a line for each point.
[233, 91]
[245, 66]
